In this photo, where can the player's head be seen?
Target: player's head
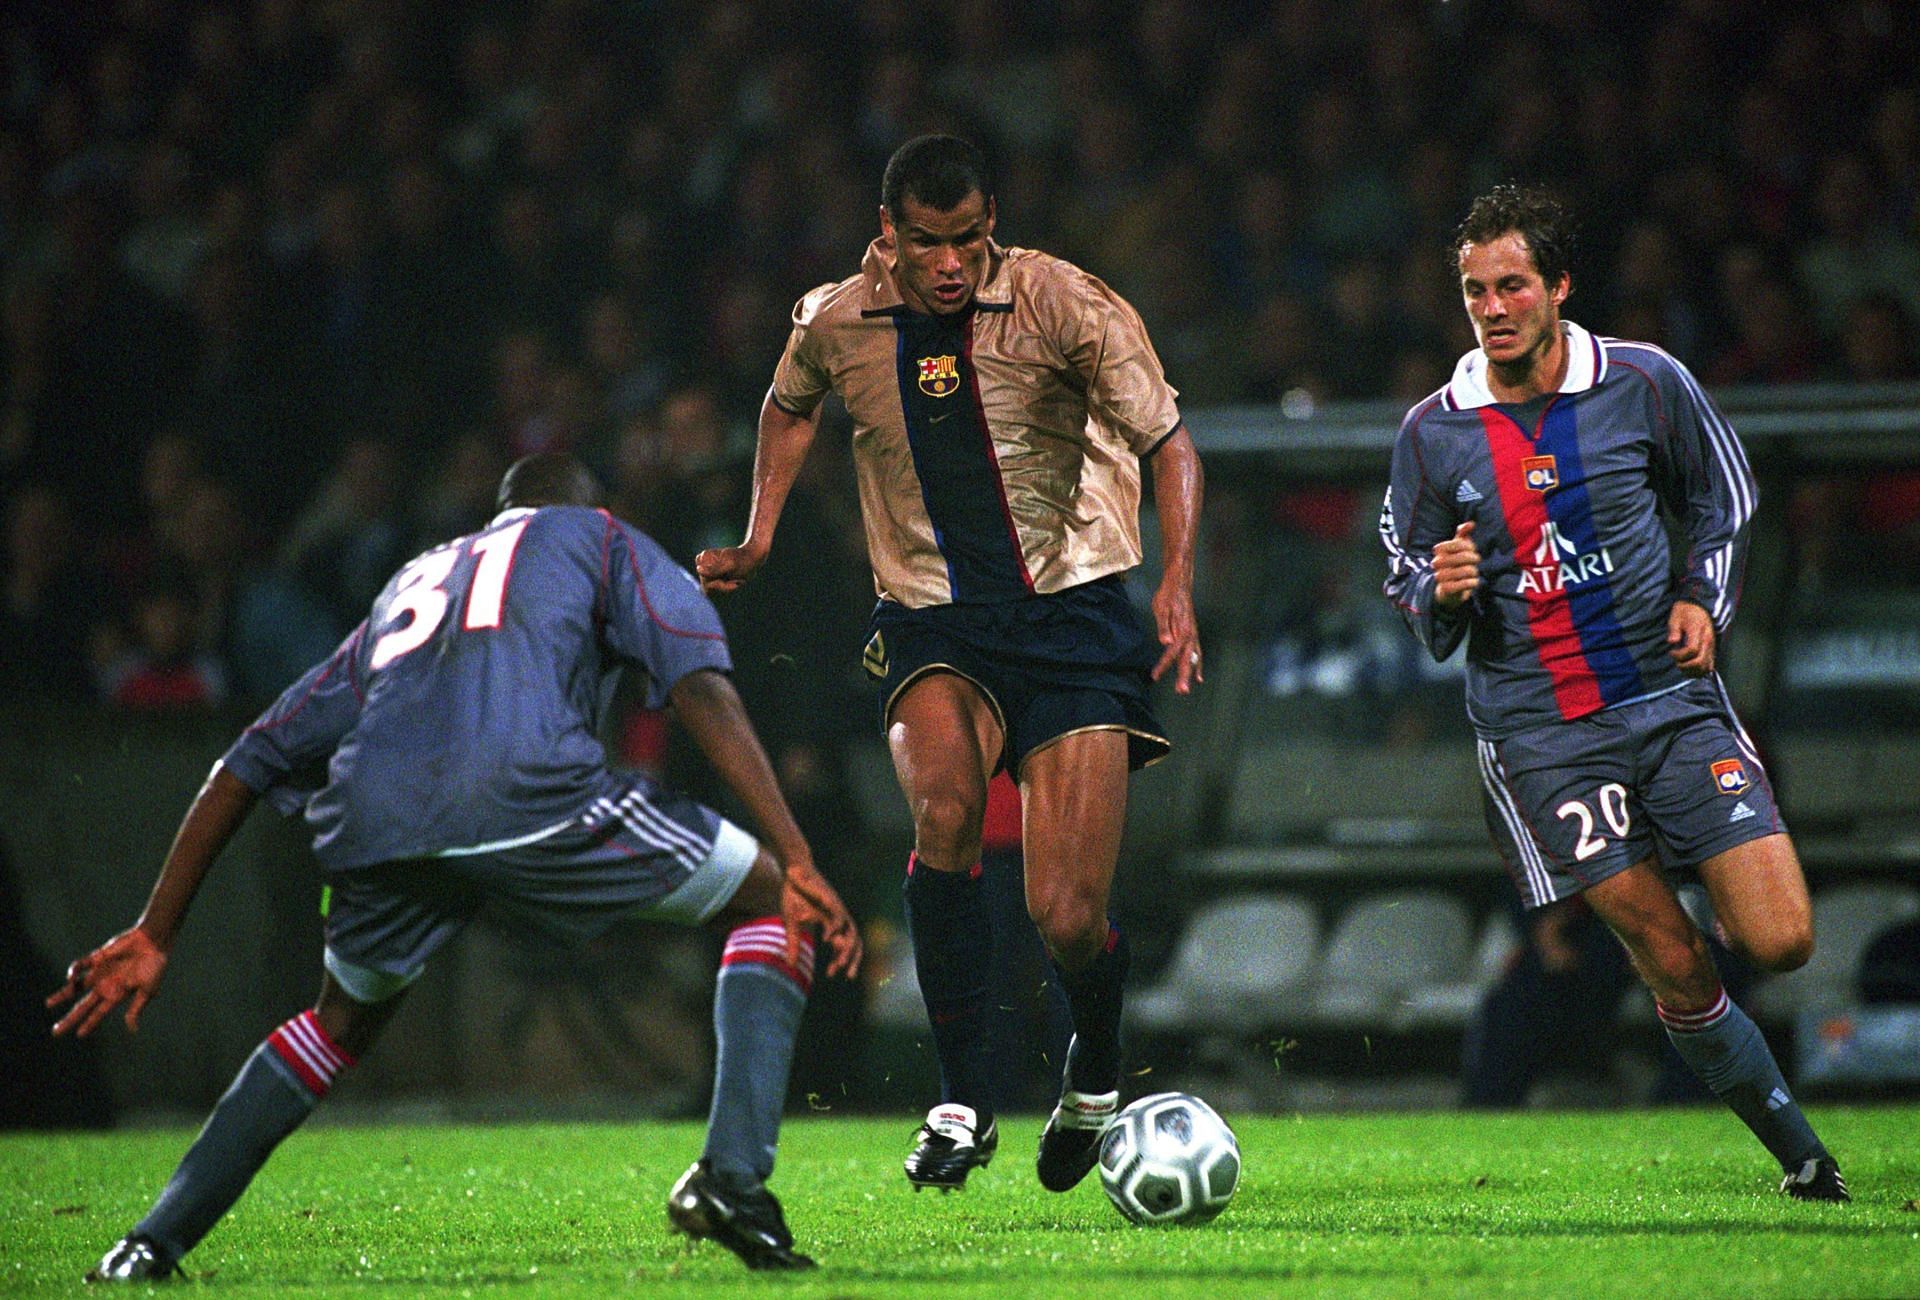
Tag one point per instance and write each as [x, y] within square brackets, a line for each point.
[1514, 255]
[548, 478]
[936, 206]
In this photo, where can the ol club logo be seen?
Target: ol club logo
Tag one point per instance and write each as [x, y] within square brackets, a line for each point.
[1537, 471]
[1730, 776]
[939, 376]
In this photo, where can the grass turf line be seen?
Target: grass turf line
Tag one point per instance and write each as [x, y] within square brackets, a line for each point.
[1604, 1203]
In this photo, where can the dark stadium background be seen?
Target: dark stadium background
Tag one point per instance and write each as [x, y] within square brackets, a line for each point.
[284, 286]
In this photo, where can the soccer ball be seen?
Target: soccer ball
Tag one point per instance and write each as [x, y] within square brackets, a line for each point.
[1169, 1158]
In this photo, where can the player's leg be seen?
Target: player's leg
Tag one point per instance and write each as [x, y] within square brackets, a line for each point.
[759, 997]
[1711, 801]
[1074, 792]
[758, 1000]
[1760, 898]
[383, 924]
[643, 850]
[287, 1076]
[1715, 1037]
[945, 739]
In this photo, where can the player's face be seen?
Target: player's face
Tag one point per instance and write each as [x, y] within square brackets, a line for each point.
[943, 255]
[1514, 312]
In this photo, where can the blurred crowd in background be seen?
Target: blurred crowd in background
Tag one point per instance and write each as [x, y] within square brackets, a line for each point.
[286, 285]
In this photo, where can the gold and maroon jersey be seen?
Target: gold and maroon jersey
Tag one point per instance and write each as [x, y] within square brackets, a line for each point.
[998, 449]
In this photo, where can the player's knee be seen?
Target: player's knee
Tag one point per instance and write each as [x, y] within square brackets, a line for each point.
[1784, 949]
[946, 829]
[1073, 923]
[349, 1025]
[1675, 962]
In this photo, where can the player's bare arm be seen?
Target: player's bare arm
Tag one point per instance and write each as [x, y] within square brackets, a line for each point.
[1691, 638]
[710, 709]
[1179, 483]
[783, 441]
[127, 968]
[1456, 568]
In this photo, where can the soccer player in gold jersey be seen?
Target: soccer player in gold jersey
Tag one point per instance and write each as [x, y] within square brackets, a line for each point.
[1002, 402]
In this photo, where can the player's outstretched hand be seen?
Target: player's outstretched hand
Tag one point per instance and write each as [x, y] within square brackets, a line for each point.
[1690, 638]
[807, 902]
[1173, 616]
[1456, 568]
[724, 568]
[127, 966]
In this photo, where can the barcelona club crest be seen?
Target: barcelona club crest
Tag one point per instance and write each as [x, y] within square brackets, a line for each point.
[1730, 776]
[1537, 471]
[939, 376]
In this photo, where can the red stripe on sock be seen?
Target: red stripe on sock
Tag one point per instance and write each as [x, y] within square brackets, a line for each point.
[313, 1057]
[1692, 1022]
[763, 942]
[913, 860]
[313, 1023]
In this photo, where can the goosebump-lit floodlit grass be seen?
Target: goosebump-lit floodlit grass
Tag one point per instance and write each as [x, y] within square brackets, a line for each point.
[1615, 1203]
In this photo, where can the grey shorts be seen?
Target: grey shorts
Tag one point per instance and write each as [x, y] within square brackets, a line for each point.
[1674, 776]
[643, 850]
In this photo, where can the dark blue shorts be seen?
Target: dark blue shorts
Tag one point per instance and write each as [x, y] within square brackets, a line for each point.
[640, 850]
[1075, 660]
[1674, 776]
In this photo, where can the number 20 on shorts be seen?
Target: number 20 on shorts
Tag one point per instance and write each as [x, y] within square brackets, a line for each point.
[1612, 798]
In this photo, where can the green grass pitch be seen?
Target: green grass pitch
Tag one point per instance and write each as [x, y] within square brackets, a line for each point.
[1615, 1203]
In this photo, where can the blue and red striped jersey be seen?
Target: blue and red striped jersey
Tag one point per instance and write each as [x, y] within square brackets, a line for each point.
[1570, 495]
[464, 713]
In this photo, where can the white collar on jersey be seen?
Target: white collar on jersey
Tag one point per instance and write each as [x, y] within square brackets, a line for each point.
[1586, 366]
[513, 512]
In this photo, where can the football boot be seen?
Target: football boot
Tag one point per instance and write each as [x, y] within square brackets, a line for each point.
[745, 1218]
[949, 1146]
[1070, 1143]
[1816, 1180]
[135, 1258]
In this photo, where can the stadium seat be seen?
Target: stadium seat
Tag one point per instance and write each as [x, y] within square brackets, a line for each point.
[1845, 920]
[1822, 777]
[1386, 946]
[1451, 1005]
[1291, 788]
[1242, 963]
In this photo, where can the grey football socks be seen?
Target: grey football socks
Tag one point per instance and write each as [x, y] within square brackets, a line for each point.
[274, 1092]
[948, 921]
[757, 1004]
[1728, 1052]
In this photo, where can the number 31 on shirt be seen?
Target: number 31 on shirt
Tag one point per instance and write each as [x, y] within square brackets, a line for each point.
[420, 598]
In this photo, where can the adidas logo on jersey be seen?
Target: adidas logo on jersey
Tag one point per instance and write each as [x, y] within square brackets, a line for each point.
[1467, 492]
[1741, 811]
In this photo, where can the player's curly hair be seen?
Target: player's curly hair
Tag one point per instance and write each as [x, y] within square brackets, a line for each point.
[1529, 211]
[937, 170]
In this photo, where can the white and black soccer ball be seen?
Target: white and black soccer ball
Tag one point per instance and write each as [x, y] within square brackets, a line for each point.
[1169, 1158]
